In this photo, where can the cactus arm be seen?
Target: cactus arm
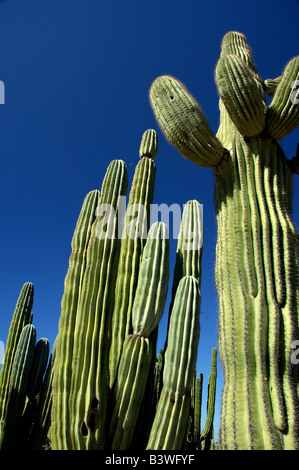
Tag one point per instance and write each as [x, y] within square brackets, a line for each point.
[270, 85]
[89, 379]
[42, 417]
[21, 367]
[257, 250]
[21, 317]
[242, 94]
[197, 409]
[169, 426]
[183, 122]
[39, 365]
[152, 284]
[129, 390]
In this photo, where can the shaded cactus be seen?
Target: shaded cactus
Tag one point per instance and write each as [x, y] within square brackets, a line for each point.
[18, 383]
[42, 416]
[105, 392]
[22, 316]
[88, 396]
[257, 247]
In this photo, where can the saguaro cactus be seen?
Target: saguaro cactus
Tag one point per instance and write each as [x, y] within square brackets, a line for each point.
[257, 247]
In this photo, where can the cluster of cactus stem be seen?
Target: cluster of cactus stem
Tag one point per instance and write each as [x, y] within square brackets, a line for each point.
[257, 251]
[25, 381]
[108, 392]
[105, 387]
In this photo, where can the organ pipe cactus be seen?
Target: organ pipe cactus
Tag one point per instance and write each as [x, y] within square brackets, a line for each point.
[169, 426]
[69, 305]
[42, 416]
[109, 331]
[20, 374]
[207, 432]
[137, 351]
[132, 244]
[89, 387]
[21, 317]
[257, 247]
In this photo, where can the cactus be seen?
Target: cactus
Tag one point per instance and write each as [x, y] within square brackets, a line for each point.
[69, 305]
[207, 432]
[132, 244]
[257, 246]
[42, 417]
[197, 410]
[89, 388]
[33, 388]
[106, 390]
[21, 317]
[137, 352]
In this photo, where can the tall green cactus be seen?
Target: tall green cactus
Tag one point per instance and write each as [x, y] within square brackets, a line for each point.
[257, 247]
[89, 387]
[115, 292]
[132, 244]
[21, 317]
[207, 432]
[69, 305]
[17, 388]
[42, 417]
[169, 426]
[148, 307]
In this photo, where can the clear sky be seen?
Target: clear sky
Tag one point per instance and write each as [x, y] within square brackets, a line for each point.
[77, 75]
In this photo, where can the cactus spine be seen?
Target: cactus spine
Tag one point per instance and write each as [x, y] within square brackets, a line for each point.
[257, 247]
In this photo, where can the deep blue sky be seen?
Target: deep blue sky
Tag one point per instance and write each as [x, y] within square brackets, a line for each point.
[77, 75]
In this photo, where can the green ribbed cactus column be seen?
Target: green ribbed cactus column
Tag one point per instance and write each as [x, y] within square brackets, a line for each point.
[17, 388]
[170, 423]
[257, 247]
[137, 352]
[137, 222]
